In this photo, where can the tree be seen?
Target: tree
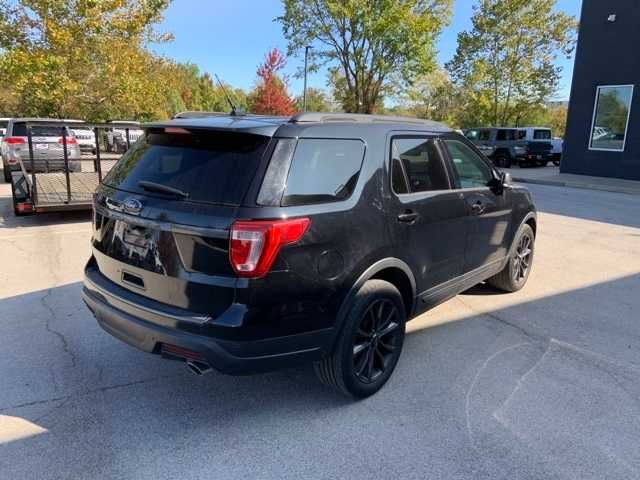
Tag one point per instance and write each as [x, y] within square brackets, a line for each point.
[270, 96]
[505, 64]
[432, 97]
[317, 101]
[366, 41]
[69, 58]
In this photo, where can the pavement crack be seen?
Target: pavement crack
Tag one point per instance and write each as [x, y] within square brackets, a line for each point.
[535, 337]
[48, 326]
[85, 393]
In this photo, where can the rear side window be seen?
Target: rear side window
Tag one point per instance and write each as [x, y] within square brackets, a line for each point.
[211, 167]
[506, 135]
[417, 166]
[323, 170]
[542, 134]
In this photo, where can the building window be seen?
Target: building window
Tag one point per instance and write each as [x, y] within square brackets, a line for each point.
[611, 117]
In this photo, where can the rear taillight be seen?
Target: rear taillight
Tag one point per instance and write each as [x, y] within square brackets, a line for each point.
[70, 141]
[256, 243]
[15, 140]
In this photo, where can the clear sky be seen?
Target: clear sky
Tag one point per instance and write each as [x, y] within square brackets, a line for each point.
[230, 38]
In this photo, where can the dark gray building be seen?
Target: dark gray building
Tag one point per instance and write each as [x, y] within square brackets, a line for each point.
[603, 124]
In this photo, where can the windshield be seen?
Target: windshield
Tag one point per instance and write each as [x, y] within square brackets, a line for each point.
[212, 167]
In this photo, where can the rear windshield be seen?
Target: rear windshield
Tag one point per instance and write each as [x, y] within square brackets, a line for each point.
[211, 167]
[20, 130]
[542, 134]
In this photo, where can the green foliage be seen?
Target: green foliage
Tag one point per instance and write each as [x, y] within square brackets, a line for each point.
[367, 42]
[89, 59]
[317, 101]
[504, 66]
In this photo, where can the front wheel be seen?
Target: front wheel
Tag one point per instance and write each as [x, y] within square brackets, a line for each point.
[516, 272]
[368, 349]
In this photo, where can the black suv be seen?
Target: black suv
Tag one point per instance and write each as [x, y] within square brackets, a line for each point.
[249, 243]
[511, 146]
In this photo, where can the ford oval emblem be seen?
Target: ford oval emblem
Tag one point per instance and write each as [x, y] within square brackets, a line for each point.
[132, 206]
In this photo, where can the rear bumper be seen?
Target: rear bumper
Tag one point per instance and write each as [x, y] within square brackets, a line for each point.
[535, 157]
[148, 327]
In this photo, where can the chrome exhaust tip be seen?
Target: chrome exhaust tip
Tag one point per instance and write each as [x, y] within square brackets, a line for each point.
[198, 368]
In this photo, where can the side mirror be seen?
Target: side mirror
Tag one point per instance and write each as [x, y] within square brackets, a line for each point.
[498, 183]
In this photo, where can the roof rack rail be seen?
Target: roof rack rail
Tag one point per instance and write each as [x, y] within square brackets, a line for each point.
[198, 114]
[318, 117]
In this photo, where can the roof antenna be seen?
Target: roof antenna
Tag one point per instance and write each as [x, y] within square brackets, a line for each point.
[234, 111]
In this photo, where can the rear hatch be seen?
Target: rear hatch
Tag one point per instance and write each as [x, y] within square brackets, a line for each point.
[163, 213]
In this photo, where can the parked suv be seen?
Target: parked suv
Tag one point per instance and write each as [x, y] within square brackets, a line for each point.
[250, 243]
[509, 148]
[47, 142]
[543, 134]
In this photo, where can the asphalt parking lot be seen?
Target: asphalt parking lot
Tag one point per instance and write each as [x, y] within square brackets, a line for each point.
[543, 383]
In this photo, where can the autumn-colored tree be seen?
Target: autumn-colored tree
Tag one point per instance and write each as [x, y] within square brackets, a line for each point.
[270, 96]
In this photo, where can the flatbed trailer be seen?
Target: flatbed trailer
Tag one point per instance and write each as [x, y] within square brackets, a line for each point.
[69, 184]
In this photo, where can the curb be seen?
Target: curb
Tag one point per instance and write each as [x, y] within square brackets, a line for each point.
[582, 186]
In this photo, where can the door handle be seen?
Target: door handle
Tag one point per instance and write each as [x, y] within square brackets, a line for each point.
[477, 208]
[408, 216]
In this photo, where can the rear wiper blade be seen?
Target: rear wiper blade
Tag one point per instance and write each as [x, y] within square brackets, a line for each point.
[160, 188]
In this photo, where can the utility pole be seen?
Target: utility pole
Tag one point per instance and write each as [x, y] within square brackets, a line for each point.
[304, 94]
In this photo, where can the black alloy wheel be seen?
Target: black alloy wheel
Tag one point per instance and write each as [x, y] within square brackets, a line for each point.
[375, 340]
[515, 273]
[522, 256]
[370, 342]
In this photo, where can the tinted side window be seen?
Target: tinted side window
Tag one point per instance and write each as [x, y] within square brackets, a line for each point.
[323, 170]
[505, 134]
[471, 169]
[485, 135]
[522, 134]
[418, 162]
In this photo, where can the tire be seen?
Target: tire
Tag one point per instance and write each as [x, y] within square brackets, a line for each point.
[16, 212]
[6, 173]
[377, 308]
[516, 272]
[503, 161]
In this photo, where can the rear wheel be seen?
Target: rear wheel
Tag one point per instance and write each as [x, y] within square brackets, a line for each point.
[369, 346]
[516, 272]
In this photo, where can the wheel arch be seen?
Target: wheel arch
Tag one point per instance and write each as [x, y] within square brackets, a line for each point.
[392, 270]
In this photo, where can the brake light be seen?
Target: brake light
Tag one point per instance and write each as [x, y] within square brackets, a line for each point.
[15, 140]
[70, 141]
[255, 244]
